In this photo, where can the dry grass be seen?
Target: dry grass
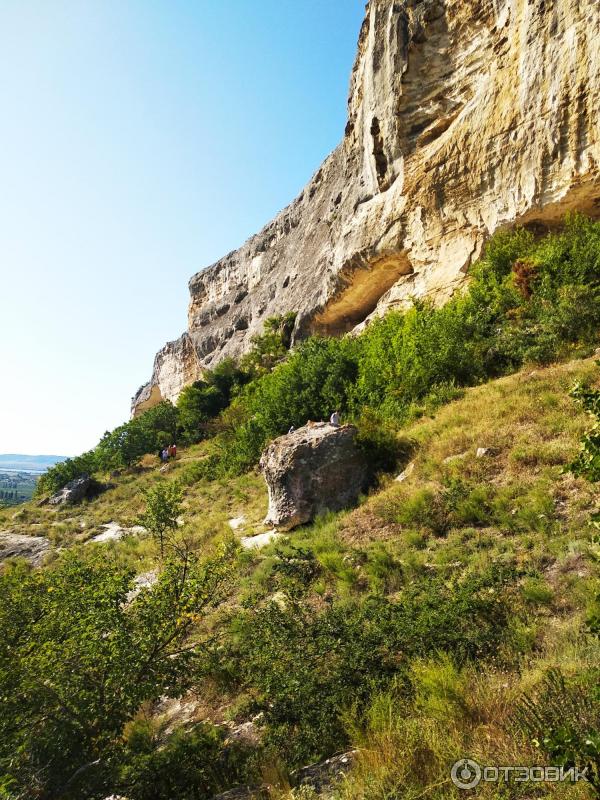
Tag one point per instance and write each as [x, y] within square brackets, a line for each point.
[455, 513]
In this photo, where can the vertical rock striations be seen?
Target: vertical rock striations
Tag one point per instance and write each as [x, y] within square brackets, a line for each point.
[463, 116]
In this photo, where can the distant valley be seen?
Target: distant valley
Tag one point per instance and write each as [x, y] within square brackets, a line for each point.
[19, 475]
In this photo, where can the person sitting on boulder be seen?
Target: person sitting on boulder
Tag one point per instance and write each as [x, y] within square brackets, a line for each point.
[335, 419]
[292, 429]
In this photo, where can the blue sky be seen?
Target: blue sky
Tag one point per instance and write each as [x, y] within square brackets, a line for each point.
[140, 140]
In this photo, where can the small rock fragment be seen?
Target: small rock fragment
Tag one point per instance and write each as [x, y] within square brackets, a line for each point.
[407, 471]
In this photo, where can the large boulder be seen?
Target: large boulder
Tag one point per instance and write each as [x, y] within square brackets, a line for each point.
[32, 548]
[72, 493]
[315, 468]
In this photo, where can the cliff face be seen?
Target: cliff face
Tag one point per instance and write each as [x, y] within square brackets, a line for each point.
[463, 116]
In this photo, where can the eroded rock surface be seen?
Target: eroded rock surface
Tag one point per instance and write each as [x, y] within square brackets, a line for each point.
[463, 117]
[316, 468]
[32, 548]
[72, 493]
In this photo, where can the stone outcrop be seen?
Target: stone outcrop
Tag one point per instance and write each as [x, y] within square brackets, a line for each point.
[316, 468]
[31, 548]
[175, 366]
[73, 492]
[463, 117]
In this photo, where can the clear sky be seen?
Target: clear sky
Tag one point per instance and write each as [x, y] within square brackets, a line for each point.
[140, 140]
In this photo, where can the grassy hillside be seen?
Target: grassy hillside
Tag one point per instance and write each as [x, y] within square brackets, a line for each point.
[454, 614]
[422, 627]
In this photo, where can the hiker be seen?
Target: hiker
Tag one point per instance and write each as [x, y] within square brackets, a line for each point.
[173, 451]
[335, 419]
[164, 455]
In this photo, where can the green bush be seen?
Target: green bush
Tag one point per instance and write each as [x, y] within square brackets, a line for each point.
[125, 446]
[187, 765]
[79, 656]
[65, 471]
[306, 667]
[587, 463]
[201, 402]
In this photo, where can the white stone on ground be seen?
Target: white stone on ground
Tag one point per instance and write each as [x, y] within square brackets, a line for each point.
[404, 475]
[144, 580]
[113, 532]
[237, 522]
[260, 540]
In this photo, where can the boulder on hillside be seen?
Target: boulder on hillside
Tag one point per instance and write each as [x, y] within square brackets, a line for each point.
[32, 548]
[313, 469]
[72, 493]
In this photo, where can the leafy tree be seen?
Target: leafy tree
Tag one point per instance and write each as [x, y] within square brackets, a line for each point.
[79, 655]
[203, 400]
[124, 446]
[163, 507]
[227, 377]
[197, 404]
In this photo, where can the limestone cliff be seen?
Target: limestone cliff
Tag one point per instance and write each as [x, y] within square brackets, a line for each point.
[463, 116]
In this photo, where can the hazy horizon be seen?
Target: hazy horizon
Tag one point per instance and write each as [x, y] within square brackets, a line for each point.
[140, 144]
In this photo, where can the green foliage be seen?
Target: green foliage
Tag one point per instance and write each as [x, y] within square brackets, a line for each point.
[270, 347]
[527, 301]
[146, 433]
[197, 404]
[78, 657]
[201, 402]
[163, 507]
[439, 688]
[310, 384]
[60, 474]
[587, 463]
[190, 765]
[561, 718]
[294, 569]
[122, 447]
[309, 666]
